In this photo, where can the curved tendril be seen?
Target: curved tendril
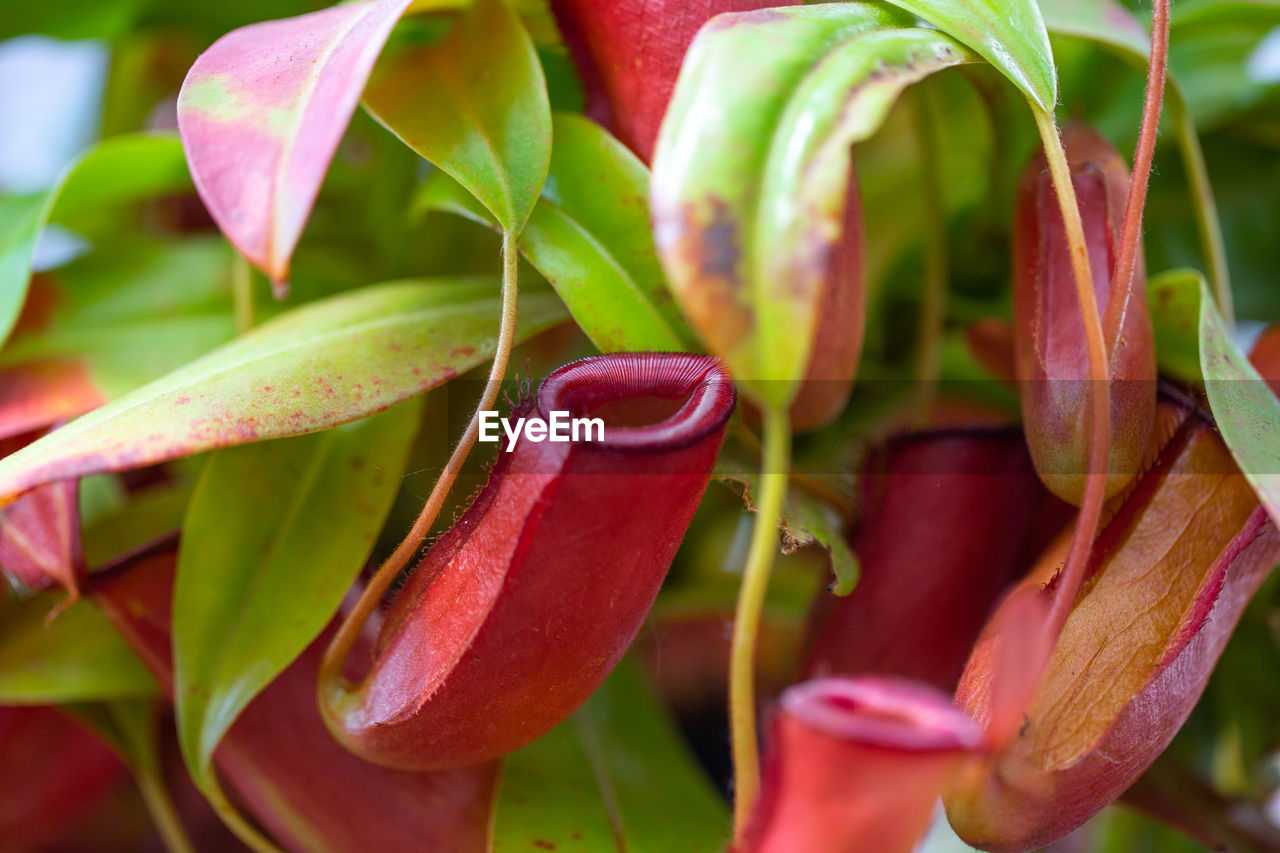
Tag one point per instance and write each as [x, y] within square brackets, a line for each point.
[331, 679]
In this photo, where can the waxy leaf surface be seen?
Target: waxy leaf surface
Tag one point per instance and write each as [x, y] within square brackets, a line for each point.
[118, 170]
[1010, 34]
[742, 223]
[275, 534]
[589, 236]
[474, 104]
[324, 364]
[77, 657]
[262, 111]
[622, 778]
[1245, 408]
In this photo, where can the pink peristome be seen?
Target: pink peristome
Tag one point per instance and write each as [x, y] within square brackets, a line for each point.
[261, 113]
[857, 765]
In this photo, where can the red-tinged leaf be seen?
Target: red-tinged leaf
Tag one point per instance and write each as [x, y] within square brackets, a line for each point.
[40, 538]
[326, 363]
[38, 393]
[262, 111]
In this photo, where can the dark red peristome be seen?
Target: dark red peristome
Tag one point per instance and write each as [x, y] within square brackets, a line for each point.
[55, 774]
[309, 792]
[629, 52]
[1052, 359]
[857, 765]
[949, 519]
[519, 612]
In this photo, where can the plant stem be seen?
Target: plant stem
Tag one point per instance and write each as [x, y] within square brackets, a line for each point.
[934, 296]
[1099, 381]
[162, 811]
[242, 292]
[1205, 207]
[232, 819]
[1122, 283]
[746, 622]
[1131, 231]
[821, 490]
[331, 681]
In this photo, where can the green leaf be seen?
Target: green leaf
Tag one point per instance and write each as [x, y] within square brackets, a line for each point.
[326, 363]
[128, 726]
[274, 536]
[121, 169]
[147, 515]
[1245, 407]
[119, 312]
[1010, 34]
[69, 19]
[21, 218]
[1174, 298]
[77, 657]
[1198, 13]
[1102, 21]
[739, 218]
[124, 168]
[615, 776]
[589, 236]
[474, 104]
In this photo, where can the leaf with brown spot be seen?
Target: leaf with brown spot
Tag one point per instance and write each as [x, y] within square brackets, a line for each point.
[749, 230]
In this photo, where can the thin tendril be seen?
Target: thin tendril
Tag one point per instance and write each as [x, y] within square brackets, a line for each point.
[1099, 382]
[1131, 231]
[330, 679]
[746, 622]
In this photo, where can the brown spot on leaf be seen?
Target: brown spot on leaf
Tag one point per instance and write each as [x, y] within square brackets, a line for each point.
[710, 248]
